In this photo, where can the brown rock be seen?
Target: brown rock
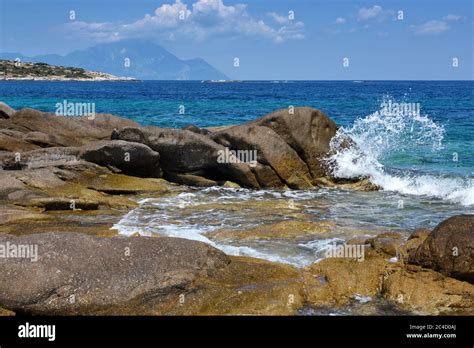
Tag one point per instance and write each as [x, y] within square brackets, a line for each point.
[271, 150]
[6, 111]
[308, 131]
[79, 274]
[186, 152]
[288, 229]
[131, 158]
[387, 243]
[449, 248]
[75, 130]
[428, 293]
[335, 281]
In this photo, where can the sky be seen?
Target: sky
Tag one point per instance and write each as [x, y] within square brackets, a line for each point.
[272, 39]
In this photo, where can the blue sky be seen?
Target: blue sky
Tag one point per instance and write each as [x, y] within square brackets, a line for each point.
[311, 45]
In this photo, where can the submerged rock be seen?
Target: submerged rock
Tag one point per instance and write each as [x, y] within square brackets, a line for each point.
[449, 248]
[288, 229]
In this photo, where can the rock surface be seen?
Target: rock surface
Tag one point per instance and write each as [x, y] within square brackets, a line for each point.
[449, 248]
[41, 129]
[6, 111]
[131, 158]
[76, 273]
[308, 131]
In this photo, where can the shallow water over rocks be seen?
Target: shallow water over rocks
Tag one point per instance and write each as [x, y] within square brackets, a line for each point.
[294, 227]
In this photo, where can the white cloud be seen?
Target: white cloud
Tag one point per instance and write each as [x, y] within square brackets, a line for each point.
[431, 27]
[340, 20]
[452, 17]
[370, 13]
[279, 19]
[201, 20]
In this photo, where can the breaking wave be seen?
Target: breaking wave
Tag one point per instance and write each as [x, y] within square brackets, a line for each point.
[360, 150]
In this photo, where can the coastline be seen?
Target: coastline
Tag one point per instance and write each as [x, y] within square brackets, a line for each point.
[72, 183]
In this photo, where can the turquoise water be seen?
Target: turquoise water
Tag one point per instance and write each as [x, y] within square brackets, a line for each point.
[424, 162]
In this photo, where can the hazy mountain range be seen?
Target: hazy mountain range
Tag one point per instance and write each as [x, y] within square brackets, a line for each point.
[132, 58]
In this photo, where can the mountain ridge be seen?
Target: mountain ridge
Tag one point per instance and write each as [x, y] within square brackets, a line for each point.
[132, 58]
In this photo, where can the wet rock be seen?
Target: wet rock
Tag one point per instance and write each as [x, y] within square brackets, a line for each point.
[288, 229]
[449, 248]
[246, 286]
[354, 184]
[230, 184]
[190, 180]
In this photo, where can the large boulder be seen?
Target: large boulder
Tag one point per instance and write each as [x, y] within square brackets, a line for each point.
[449, 248]
[308, 131]
[185, 152]
[271, 149]
[76, 273]
[131, 158]
[6, 111]
[64, 130]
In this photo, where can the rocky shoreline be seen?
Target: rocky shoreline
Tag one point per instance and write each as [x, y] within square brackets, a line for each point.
[67, 180]
[24, 71]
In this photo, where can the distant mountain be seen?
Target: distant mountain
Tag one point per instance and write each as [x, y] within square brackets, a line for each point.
[132, 58]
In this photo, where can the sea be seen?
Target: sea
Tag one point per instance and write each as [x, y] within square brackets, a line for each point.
[415, 139]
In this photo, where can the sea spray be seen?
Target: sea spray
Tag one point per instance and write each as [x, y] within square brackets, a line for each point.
[360, 150]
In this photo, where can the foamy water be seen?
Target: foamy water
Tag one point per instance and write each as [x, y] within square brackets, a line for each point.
[382, 134]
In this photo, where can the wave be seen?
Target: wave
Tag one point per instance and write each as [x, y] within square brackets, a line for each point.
[359, 151]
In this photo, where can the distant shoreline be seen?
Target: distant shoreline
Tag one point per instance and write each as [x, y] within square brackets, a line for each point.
[20, 71]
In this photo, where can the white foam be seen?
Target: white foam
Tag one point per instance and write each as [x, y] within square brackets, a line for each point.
[380, 134]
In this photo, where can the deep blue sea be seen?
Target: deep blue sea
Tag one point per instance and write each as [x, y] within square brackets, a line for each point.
[424, 162]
